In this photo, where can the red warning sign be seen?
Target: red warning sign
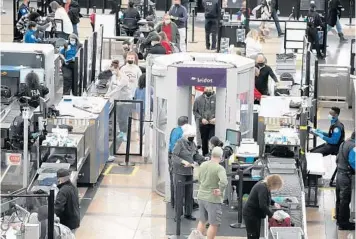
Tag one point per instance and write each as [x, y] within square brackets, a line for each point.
[13, 159]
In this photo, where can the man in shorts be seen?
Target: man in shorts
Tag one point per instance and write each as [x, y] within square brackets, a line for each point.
[213, 181]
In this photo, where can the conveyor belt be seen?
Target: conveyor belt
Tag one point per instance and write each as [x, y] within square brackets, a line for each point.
[292, 187]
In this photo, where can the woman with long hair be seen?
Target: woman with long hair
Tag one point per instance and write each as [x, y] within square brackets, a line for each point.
[258, 204]
[33, 89]
[253, 44]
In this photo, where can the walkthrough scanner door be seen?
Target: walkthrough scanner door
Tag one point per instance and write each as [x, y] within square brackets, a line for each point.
[173, 76]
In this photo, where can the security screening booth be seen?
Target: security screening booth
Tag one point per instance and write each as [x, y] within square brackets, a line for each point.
[173, 77]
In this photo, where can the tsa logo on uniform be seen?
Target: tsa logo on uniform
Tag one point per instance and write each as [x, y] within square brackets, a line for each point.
[202, 80]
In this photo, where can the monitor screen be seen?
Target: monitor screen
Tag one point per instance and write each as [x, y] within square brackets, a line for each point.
[233, 136]
[38, 71]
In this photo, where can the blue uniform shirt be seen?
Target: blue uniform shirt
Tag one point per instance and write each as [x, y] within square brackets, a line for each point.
[352, 158]
[23, 10]
[69, 53]
[335, 136]
[176, 134]
[30, 37]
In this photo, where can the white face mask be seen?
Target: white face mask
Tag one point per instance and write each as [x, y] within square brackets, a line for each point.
[153, 43]
[72, 42]
[330, 117]
[167, 21]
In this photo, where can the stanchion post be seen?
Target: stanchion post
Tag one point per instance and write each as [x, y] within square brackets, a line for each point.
[179, 206]
[351, 7]
[128, 144]
[88, 5]
[193, 25]
[51, 215]
[241, 184]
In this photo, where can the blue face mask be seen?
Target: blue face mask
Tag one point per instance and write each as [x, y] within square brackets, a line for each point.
[332, 118]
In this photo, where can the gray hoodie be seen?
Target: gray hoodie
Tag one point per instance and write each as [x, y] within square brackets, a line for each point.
[204, 107]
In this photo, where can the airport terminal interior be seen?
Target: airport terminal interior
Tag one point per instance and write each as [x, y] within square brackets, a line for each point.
[122, 176]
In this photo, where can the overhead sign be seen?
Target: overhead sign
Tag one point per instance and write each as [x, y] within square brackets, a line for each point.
[192, 76]
[13, 158]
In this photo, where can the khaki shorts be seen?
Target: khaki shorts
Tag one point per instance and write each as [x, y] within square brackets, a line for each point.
[210, 212]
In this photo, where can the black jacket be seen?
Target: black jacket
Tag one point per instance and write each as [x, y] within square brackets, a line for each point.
[35, 94]
[334, 12]
[66, 205]
[313, 19]
[274, 5]
[261, 82]
[157, 49]
[74, 12]
[342, 158]
[212, 9]
[132, 13]
[258, 202]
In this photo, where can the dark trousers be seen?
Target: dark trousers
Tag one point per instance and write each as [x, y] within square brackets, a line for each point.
[313, 38]
[184, 193]
[114, 7]
[123, 112]
[68, 78]
[343, 198]
[326, 149]
[253, 226]
[92, 26]
[171, 178]
[206, 132]
[276, 21]
[211, 27]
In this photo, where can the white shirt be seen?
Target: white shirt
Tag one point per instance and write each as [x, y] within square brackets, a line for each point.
[67, 24]
[252, 47]
[133, 73]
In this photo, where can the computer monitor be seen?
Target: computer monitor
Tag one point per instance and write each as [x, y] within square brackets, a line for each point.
[233, 136]
[24, 72]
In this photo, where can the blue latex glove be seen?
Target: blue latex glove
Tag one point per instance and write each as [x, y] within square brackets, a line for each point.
[319, 131]
[34, 135]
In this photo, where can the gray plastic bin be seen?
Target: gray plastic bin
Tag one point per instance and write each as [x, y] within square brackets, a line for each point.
[278, 168]
[287, 233]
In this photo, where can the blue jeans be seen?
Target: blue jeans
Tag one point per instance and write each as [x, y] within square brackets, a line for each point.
[338, 26]
[276, 21]
[75, 29]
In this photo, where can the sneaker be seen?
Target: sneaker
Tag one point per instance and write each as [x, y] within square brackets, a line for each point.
[280, 34]
[190, 218]
[111, 158]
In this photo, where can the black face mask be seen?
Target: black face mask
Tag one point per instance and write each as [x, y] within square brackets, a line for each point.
[208, 94]
[176, 4]
[126, 48]
[130, 62]
[190, 139]
[260, 65]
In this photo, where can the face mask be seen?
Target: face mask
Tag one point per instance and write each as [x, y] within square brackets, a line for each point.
[126, 48]
[261, 64]
[330, 117]
[130, 62]
[209, 93]
[190, 139]
[176, 4]
[167, 21]
[72, 42]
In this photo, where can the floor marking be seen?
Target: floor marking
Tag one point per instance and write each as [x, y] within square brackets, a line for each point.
[136, 168]
[333, 214]
[107, 171]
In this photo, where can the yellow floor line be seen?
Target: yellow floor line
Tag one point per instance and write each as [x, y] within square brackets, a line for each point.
[136, 168]
[107, 171]
[333, 214]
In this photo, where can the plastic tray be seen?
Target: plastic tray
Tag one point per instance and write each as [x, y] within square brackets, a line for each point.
[294, 203]
[287, 233]
[278, 168]
[281, 160]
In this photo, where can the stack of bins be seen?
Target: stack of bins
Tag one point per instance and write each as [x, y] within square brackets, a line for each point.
[292, 187]
[285, 63]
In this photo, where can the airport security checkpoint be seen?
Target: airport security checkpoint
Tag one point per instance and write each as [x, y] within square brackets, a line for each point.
[135, 127]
